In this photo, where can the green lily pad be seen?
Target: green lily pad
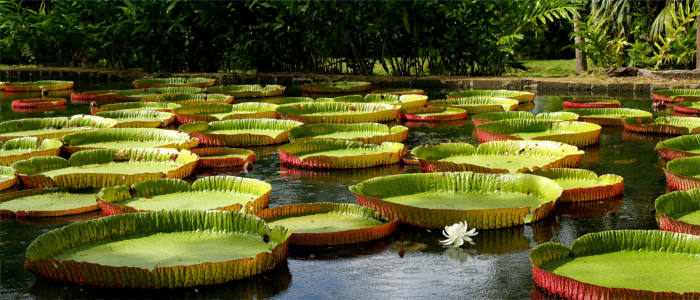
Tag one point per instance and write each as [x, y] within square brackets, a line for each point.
[213, 192]
[374, 133]
[435, 200]
[47, 202]
[163, 249]
[105, 167]
[339, 112]
[619, 264]
[497, 156]
[7, 178]
[403, 101]
[139, 119]
[584, 185]
[591, 103]
[686, 108]
[477, 105]
[135, 106]
[663, 125]
[679, 211]
[679, 147]
[400, 92]
[38, 86]
[433, 114]
[337, 87]
[329, 224]
[46, 128]
[248, 90]
[608, 116]
[676, 95]
[220, 111]
[292, 100]
[126, 138]
[521, 96]
[189, 99]
[173, 82]
[223, 157]
[243, 132]
[579, 134]
[23, 148]
[141, 94]
[683, 173]
[340, 154]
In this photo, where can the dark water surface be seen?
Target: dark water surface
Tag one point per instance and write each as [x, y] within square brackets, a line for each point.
[497, 267]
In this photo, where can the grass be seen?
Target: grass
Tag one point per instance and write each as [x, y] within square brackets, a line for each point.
[546, 68]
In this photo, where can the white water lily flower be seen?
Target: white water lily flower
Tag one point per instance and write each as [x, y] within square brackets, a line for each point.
[457, 234]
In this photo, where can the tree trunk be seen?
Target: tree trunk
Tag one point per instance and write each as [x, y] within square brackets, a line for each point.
[697, 43]
[581, 63]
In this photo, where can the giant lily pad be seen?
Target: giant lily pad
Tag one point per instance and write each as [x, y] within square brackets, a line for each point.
[329, 224]
[46, 128]
[679, 211]
[514, 115]
[223, 157]
[189, 99]
[477, 105]
[521, 96]
[683, 173]
[621, 264]
[23, 148]
[340, 154]
[248, 90]
[435, 200]
[579, 134]
[403, 101]
[219, 111]
[141, 94]
[400, 92]
[213, 192]
[38, 86]
[127, 138]
[38, 103]
[243, 132]
[679, 147]
[433, 114]
[139, 119]
[96, 96]
[7, 178]
[663, 125]
[497, 156]
[47, 202]
[374, 133]
[676, 95]
[105, 167]
[175, 82]
[164, 249]
[686, 108]
[584, 185]
[340, 176]
[310, 113]
[135, 106]
[337, 87]
[591, 103]
[608, 116]
[293, 100]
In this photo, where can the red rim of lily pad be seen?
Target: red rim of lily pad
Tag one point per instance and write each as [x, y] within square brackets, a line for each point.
[575, 133]
[202, 131]
[685, 108]
[38, 103]
[591, 103]
[223, 157]
[350, 236]
[602, 242]
[400, 92]
[96, 96]
[680, 173]
[675, 95]
[38, 86]
[663, 125]
[608, 116]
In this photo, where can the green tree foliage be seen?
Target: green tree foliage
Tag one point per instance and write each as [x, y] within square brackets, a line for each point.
[467, 37]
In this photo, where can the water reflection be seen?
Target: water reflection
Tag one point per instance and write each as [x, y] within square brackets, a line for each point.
[263, 285]
[351, 176]
[589, 208]
[341, 251]
[50, 221]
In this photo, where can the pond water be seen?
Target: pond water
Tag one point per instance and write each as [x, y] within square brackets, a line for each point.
[497, 267]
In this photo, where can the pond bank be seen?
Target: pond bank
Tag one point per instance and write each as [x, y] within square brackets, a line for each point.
[639, 86]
